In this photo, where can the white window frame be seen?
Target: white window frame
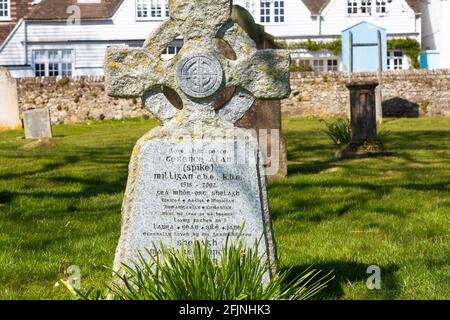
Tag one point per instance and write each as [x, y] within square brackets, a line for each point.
[272, 12]
[367, 7]
[334, 68]
[352, 7]
[380, 5]
[172, 50]
[153, 7]
[251, 6]
[279, 11]
[395, 62]
[60, 63]
[6, 17]
[318, 65]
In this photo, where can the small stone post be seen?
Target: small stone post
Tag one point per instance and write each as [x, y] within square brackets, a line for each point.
[363, 120]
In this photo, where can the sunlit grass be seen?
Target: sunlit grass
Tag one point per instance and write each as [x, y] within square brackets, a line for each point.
[61, 206]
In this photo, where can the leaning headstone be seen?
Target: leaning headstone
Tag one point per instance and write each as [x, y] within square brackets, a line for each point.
[37, 124]
[9, 105]
[363, 121]
[265, 115]
[198, 176]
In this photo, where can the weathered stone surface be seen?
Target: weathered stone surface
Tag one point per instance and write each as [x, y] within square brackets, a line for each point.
[9, 105]
[197, 176]
[363, 121]
[37, 124]
[177, 194]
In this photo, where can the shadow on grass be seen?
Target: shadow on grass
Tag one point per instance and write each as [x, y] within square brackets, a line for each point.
[349, 273]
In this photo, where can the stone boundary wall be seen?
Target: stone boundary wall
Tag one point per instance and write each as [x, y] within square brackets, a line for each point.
[75, 99]
[405, 93]
[409, 93]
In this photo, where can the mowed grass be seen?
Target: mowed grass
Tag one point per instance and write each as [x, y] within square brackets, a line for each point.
[60, 206]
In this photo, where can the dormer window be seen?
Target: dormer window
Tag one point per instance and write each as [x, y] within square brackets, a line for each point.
[381, 6]
[366, 7]
[352, 7]
[272, 11]
[152, 9]
[5, 10]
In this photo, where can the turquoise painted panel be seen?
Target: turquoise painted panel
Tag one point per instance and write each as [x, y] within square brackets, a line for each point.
[365, 48]
[430, 60]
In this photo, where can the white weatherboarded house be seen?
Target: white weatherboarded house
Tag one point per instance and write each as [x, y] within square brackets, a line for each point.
[69, 37]
[324, 20]
[436, 32]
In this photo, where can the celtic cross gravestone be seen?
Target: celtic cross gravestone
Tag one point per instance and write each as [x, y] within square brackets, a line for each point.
[197, 176]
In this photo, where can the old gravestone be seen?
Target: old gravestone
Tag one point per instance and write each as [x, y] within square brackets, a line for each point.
[198, 176]
[363, 121]
[37, 124]
[9, 105]
[264, 115]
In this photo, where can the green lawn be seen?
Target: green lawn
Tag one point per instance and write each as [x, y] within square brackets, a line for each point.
[61, 206]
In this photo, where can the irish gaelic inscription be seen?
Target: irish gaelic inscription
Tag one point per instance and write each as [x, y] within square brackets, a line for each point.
[204, 193]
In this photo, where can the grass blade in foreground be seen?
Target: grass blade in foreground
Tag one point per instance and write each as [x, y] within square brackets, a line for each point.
[173, 275]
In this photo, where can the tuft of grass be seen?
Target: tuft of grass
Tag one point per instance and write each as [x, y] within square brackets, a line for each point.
[192, 273]
[339, 131]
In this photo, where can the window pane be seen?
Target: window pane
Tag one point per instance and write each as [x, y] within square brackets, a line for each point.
[53, 69]
[40, 56]
[279, 11]
[332, 65]
[53, 55]
[141, 8]
[156, 8]
[39, 70]
[66, 69]
[4, 8]
[265, 11]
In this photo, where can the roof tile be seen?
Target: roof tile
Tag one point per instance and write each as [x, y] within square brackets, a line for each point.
[57, 10]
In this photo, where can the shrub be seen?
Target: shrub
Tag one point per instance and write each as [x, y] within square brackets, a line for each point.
[172, 275]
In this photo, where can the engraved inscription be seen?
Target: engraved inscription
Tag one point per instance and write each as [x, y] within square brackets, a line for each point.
[197, 193]
[199, 76]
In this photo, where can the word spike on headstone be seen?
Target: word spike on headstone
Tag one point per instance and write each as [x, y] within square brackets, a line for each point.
[196, 177]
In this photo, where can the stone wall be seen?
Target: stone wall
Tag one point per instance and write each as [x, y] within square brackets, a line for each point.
[75, 99]
[406, 93]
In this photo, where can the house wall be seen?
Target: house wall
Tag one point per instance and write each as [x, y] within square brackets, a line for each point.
[445, 35]
[400, 20]
[436, 32]
[13, 51]
[298, 21]
[89, 39]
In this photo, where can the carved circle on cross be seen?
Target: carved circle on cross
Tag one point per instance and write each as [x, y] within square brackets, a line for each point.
[199, 75]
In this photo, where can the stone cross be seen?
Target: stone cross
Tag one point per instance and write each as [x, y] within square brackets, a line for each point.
[199, 72]
[176, 192]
